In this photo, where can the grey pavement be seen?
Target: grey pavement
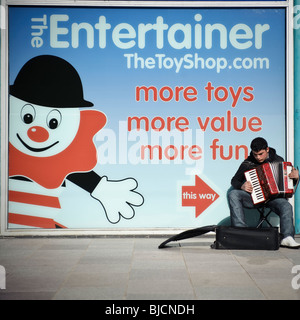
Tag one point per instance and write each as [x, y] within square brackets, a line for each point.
[124, 268]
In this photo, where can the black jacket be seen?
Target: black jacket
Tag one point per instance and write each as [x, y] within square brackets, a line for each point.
[250, 163]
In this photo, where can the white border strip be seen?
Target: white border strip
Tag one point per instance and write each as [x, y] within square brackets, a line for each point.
[290, 83]
[4, 98]
[157, 4]
[4, 122]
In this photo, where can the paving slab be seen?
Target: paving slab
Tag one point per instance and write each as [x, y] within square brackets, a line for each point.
[99, 268]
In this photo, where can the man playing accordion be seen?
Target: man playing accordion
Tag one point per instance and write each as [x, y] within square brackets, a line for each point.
[240, 196]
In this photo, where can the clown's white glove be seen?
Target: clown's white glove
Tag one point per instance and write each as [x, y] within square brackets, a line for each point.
[117, 198]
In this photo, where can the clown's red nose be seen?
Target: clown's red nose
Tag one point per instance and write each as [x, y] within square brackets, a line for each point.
[38, 134]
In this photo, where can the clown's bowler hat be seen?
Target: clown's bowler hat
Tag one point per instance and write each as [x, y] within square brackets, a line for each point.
[49, 81]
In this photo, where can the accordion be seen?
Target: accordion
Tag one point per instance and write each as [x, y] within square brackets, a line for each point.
[270, 180]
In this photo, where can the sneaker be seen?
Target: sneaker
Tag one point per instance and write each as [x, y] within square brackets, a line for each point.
[289, 242]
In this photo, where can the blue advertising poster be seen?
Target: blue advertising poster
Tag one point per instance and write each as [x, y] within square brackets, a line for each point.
[138, 117]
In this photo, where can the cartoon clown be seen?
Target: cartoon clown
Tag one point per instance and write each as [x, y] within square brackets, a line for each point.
[51, 141]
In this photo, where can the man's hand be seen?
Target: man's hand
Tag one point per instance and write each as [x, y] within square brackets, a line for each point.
[294, 174]
[247, 186]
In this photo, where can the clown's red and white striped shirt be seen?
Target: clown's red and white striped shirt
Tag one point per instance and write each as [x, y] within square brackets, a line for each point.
[32, 206]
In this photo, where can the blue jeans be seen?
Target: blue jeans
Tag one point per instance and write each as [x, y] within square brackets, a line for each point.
[239, 199]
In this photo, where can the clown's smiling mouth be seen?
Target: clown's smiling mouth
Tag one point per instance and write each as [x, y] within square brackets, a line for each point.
[36, 149]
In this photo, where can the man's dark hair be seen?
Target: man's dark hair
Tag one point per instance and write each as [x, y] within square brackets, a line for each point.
[258, 144]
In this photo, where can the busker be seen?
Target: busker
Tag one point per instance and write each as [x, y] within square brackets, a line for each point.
[240, 196]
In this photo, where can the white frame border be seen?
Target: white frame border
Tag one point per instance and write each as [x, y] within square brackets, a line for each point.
[144, 4]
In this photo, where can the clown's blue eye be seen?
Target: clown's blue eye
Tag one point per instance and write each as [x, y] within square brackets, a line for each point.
[28, 114]
[54, 119]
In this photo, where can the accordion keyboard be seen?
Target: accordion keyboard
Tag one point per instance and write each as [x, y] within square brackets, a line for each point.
[257, 193]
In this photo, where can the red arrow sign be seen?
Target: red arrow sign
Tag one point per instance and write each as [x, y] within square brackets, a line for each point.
[200, 196]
